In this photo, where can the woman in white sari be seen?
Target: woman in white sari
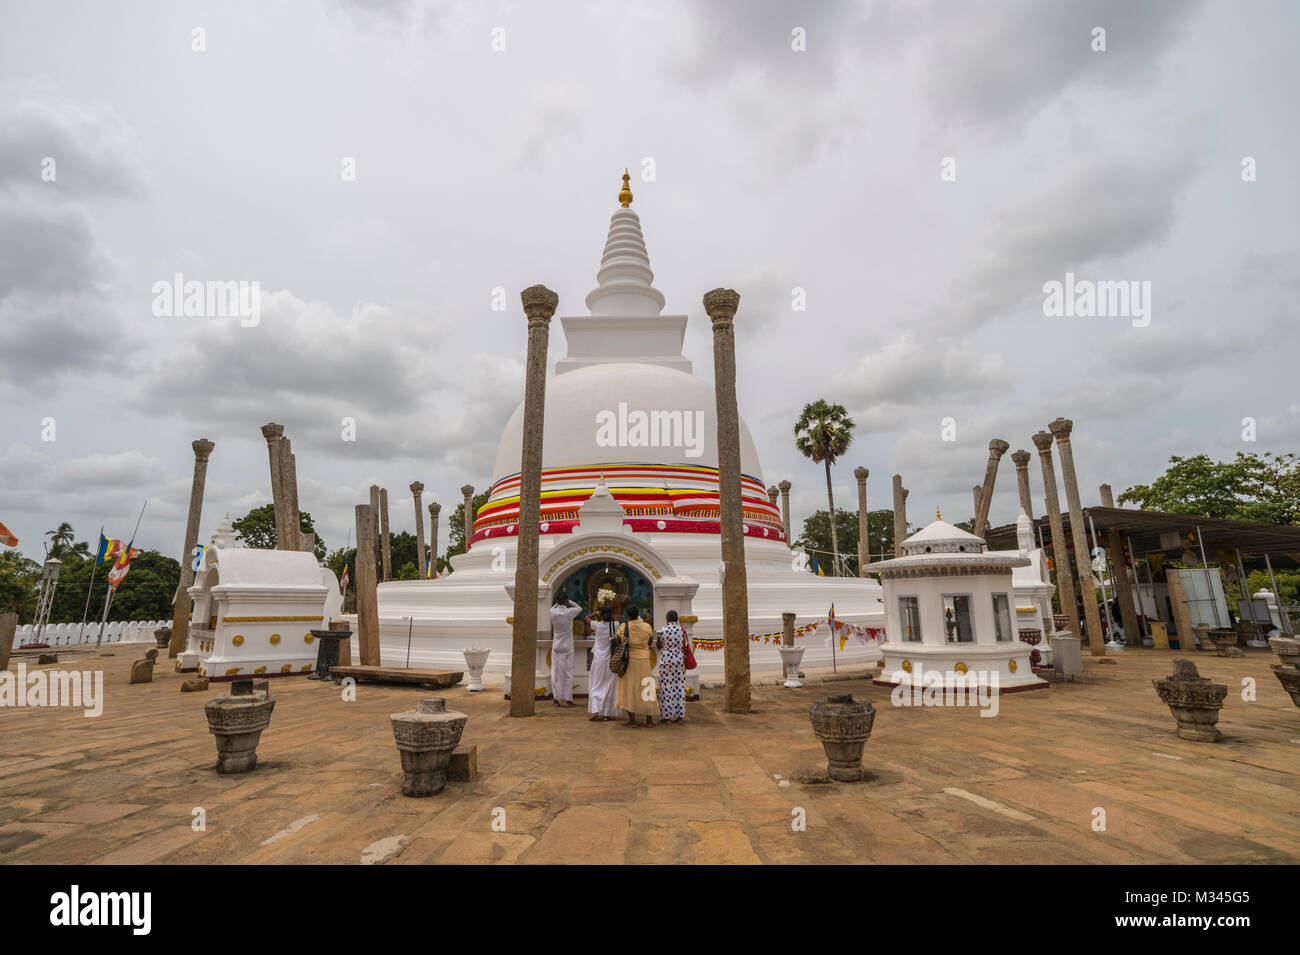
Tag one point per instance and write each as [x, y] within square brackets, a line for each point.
[602, 693]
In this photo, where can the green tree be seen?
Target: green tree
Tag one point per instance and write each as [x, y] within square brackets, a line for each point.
[146, 593]
[257, 529]
[1251, 487]
[61, 539]
[19, 577]
[816, 536]
[456, 531]
[823, 434]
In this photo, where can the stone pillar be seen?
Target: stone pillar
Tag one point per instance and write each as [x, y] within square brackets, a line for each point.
[289, 491]
[900, 515]
[997, 448]
[8, 627]
[273, 433]
[784, 487]
[721, 304]
[787, 629]
[367, 595]
[434, 509]
[977, 495]
[421, 559]
[1021, 460]
[468, 493]
[772, 494]
[539, 305]
[1060, 556]
[864, 545]
[1061, 429]
[1123, 587]
[385, 542]
[181, 610]
[374, 525]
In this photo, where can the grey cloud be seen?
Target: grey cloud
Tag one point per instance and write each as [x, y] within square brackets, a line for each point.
[95, 152]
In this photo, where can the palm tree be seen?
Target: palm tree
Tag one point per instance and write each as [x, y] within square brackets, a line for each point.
[60, 538]
[823, 433]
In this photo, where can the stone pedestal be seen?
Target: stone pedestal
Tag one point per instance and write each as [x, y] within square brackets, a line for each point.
[327, 651]
[1289, 677]
[1193, 700]
[791, 657]
[1067, 656]
[843, 725]
[1225, 641]
[162, 637]
[1287, 650]
[142, 670]
[237, 719]
[426, 737]
[475, 660]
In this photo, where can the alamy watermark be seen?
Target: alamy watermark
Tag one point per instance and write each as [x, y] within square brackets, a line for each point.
[922, 687]
[651, 429]
[1085, 298]
[74, 688]
[195, 299]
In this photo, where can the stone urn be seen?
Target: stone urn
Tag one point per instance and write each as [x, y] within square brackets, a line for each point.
[1287, 650]
[843, 725]
[163, 637]
[1289, 677]
[475, 661]
[425, 738]
[791, 657]
[1224, 640]
[1193, 700]
[237, 719]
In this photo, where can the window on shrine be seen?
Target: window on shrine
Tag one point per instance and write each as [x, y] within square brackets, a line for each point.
[909, 617]
[957, 623]
[1002, 617]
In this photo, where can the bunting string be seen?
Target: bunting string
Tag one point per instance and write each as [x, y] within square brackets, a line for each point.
[845, 632]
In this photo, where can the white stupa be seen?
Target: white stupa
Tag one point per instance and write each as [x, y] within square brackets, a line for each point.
[623, 408]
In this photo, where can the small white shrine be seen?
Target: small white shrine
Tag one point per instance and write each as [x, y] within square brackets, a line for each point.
[950, 608]
[254, 611]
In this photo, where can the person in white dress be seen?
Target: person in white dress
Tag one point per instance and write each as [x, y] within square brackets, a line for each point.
[563, 613]
[602, 693]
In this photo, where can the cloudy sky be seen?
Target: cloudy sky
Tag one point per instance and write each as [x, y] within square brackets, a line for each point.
[774, 168]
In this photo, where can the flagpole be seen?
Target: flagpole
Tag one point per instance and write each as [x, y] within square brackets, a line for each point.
[108, 597]
[103, 617]
[93, 567]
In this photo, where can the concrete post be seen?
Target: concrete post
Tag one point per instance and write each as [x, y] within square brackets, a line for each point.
[539, 305]
[721, 305]
[273, 433]
[1060, 555]
[864, 545]
[367, 595]
[997, 448]
[1061, 429]
[1021, 460]
[181, 610]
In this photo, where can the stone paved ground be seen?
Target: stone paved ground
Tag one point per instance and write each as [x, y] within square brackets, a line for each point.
[948, 785]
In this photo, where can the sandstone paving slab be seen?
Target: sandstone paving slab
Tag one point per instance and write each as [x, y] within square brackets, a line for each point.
[723, 843]
[582, 835]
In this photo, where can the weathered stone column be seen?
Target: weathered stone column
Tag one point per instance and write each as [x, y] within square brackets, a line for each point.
[900, 515]
[289, 491]
[864, 545]
[1021, 460]
[721, 305]
[421, 559]
[468, 493]
[997, 448]
[374, 526]
[784, 487]
[385, 542]
[1123, 588]
[367, 595]
[539, 305]
[8, 627]
[273, 433]
[977, 494]
[1061, 429]
[181, 611]
[787, 629]
[773, 494]
[1060, 555]
[434, 509]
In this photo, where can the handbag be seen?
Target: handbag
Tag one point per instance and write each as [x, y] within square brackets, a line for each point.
[688, 655]
[618, 648]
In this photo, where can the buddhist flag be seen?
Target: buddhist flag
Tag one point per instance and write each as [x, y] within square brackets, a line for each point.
[7, 536]
[120, 567]
[343, 581]
[109, 548]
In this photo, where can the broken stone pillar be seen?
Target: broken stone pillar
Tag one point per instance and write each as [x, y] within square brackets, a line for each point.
[181, 610]
[434, 509]
[539, 305]
[864, 545]
[273, 433]
[142, 670]
[900, 515]
[1021, 460]
[1123, 586]
[1193, 700]
[787, 629]
[385, 541]
[721, 305]
[997, 448]
[8, 627]
[289, 491]
[784, 487]
[468, 493]
[1061, 429]
[367, 595]
[1060, 556]
[421, 559]
[977, 495]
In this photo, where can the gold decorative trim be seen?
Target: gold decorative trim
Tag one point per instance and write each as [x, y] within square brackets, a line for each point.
[264, 619]
[275, 639]
[232, 671]
[261, 669]
[1011, 664]
[907, 666]
[238, 640]
[960, 667]
[689, 618]
[305, 668]
[307, 638]
[286, 668]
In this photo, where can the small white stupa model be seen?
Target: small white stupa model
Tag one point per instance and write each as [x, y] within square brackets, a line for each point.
[254, 611]
[950, 609]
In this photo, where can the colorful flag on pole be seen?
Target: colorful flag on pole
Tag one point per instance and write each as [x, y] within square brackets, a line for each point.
[109, 548]
[121, 566]
[343, 581]
[7, 536]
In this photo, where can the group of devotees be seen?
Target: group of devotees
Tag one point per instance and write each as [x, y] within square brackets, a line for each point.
[636, 692]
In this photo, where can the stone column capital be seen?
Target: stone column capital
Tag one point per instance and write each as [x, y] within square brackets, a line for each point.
[773, 493]
[539, 303]
[417, 487]
[435, 509]
[721, 305]
[202, 449]
[1043, 442]
[784, 486]
[998, 447]
[272, 431]
[787, 617]
[861, 474]
[1020, 458]
[1061, 428]
[467, 491]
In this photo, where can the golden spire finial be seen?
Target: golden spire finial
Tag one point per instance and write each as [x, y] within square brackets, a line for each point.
[937, 515]
[625, 196]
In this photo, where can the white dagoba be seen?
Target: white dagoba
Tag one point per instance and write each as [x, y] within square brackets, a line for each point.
[949, 608]
[624, 408]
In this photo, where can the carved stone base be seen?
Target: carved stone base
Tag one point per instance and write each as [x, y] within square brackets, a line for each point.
[1289, 677]
[426, 737]
[1193, 700]
[843, 725]
[237, 719]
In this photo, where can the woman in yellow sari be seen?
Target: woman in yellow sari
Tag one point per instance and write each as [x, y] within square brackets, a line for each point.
[636, 687]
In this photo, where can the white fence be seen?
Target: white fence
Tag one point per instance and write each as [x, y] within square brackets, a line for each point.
[73, 634]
